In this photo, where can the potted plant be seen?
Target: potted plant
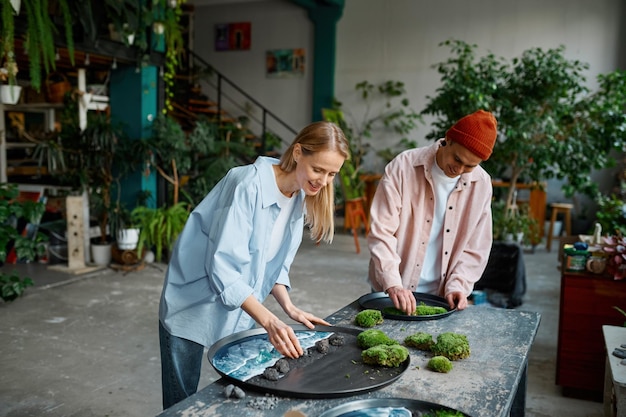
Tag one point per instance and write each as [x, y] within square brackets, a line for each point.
[611, 214]
[9, 91]
[160, 227]
[512, 225]
[549, 125]
[615, 248]
[387, 108]
[26, 247]
[100, 142]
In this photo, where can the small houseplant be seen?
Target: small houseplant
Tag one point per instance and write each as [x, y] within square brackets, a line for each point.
[26, 247]
[386, 108]
[160, 227]
[611, 214]
[9, 90]
[615, 248]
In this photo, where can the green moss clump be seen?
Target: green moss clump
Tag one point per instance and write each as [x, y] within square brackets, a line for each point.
[385, 355]
[373, 337]
[440, 364]
[453, 346]
[368, 318]
[393, 311]
[444, 413]
[422, 309]
[420, 340]
[426, 310]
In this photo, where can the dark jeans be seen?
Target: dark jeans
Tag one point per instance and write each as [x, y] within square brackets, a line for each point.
[181, 361]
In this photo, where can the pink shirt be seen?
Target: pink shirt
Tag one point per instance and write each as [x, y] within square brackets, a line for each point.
[401, 218]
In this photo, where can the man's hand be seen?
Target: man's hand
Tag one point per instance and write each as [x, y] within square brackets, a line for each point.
[402, 299]
[457, 300]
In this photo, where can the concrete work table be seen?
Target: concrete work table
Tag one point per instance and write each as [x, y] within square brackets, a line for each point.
[615, 373]
[491, 382]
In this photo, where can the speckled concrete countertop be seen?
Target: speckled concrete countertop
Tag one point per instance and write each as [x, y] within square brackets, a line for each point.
[491, 382]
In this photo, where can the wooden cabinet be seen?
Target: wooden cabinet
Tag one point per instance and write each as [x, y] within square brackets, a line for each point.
[586, 305]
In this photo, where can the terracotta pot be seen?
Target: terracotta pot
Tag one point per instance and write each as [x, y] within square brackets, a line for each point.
[56, 89]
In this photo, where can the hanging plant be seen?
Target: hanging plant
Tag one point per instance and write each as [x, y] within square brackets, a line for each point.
[168, 19]
[40, 33]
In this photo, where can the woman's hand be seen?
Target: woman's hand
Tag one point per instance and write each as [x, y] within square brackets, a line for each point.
[308, 319]
[284, 339]
[280, 335]
[281, 295]
[403, 299]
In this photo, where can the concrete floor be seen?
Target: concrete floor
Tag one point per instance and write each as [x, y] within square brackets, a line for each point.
[87, 345]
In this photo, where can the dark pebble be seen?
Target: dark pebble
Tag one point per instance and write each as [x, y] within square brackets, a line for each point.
[239, 393]
[282, 366]
[336, 340]
[271, 374]
[322, 346]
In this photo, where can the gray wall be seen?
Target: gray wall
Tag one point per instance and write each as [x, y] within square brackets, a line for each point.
[380, 40]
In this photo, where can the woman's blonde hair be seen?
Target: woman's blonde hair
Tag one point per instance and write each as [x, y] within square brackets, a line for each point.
[320, 208]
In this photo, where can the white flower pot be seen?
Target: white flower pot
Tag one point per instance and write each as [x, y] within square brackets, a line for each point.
[10, 94]
[127, 239]
[101, 253]
[16, 4]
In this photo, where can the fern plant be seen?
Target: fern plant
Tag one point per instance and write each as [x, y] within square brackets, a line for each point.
[40, 35]
[160, 227]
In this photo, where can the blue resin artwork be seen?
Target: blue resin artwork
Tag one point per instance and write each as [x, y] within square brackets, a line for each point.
[248, 358]
[380, 412]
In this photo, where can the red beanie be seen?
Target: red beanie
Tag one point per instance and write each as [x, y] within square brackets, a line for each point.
[477, 132]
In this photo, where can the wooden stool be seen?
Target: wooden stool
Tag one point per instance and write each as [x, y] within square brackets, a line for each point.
[355, 214]
[557, 208]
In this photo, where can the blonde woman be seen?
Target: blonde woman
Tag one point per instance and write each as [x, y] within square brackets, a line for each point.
[237, 248]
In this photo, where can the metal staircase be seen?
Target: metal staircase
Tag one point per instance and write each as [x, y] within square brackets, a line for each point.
[204, 92]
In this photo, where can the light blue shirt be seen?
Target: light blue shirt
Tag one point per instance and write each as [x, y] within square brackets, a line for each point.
[221, 256]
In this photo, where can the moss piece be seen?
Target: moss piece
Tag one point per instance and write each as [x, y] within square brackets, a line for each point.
[422, 309]
[440, 364]
[425, 310]
[373, 337]
[444, 413]
[453, 346]
[385, 355]
[368, 318]
[420, 340]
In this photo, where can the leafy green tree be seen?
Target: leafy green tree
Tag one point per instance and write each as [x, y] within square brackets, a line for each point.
[549, 124]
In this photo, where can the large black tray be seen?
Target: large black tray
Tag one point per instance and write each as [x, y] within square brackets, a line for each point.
[380, 301]
[339, 373]
[359, 408]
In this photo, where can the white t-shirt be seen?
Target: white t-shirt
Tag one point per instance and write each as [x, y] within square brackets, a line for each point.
[431, 271]
[278, 232]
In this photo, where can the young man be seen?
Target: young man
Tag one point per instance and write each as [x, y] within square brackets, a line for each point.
[431, 217]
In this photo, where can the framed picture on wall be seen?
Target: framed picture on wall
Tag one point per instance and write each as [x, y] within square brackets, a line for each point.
[284, 63]
[232, 36]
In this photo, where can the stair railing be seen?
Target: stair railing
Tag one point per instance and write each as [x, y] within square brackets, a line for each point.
[233, 100]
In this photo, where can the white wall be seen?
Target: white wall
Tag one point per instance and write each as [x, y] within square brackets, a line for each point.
[275, 24]
[380, 40]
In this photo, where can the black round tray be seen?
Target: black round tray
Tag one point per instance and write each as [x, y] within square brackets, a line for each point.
[339, 373]
[358, 408]
[380, 301]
